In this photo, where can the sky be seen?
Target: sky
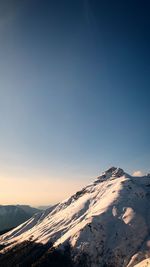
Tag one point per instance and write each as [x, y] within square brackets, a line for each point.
[74, 94]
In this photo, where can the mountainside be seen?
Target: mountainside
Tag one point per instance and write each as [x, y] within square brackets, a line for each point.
[105, 224]
[13, 215]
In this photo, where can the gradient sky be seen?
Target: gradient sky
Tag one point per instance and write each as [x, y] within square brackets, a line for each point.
[74, 94]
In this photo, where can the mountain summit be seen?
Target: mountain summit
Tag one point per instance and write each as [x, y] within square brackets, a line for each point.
[107, 223]
[112, 172]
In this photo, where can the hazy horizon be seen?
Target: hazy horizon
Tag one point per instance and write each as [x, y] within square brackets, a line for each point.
[74, 95]
[54, 191]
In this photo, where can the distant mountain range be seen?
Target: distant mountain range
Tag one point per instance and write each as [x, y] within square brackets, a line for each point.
[106, 224]
[13, 215]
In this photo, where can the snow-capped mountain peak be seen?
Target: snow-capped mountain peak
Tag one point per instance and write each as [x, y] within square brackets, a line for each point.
[113, 171]
[101, 221]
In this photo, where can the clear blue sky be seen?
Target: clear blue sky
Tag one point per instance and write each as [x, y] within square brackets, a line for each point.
[74, 86]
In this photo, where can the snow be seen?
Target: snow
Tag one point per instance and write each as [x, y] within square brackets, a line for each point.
[110, 217]
[144, 263]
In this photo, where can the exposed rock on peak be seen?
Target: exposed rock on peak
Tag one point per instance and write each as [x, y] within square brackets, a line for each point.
[114, 171]
[111, 172]
[118, 172]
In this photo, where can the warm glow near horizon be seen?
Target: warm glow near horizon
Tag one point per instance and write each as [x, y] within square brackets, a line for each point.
[37, 192]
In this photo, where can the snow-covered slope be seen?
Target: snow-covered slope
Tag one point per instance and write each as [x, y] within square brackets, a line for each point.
[144, 263]
[108, 221]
